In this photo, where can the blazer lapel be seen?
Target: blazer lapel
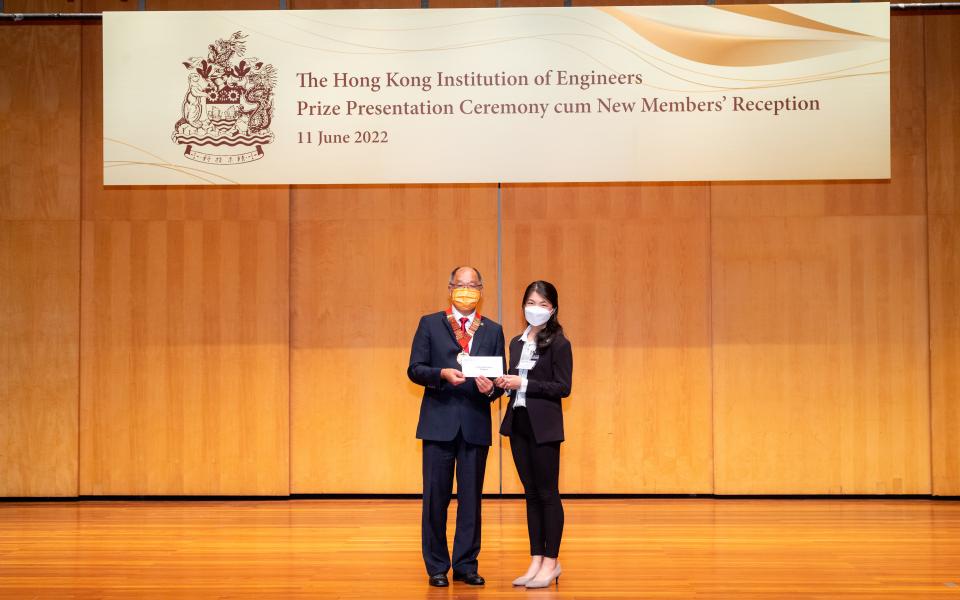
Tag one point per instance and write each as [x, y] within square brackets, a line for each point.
[542, 359]
[515, 349]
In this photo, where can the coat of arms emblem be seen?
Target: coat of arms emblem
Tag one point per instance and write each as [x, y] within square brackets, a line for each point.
[228, 105]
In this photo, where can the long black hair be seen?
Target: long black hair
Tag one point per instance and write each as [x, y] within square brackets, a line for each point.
[552, 328]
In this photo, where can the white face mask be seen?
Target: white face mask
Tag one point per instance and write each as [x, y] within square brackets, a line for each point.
[537, 315]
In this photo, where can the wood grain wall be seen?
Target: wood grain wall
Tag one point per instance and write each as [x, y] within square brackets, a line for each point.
[942, 50]
[368, 261]
[734, 338]
[184, 326]
[631, 264]
[39, 254]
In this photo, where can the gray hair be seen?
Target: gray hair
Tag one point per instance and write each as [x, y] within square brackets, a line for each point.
[453, 273]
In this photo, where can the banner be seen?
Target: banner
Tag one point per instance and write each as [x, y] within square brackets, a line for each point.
[653, 93]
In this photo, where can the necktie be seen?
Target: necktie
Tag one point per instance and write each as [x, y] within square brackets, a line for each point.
[465, 340]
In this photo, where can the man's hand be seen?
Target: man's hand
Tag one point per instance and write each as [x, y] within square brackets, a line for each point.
[484, 385]
[452, 376]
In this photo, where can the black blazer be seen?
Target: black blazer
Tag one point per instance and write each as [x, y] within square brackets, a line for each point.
[446, 409]
[547, 383]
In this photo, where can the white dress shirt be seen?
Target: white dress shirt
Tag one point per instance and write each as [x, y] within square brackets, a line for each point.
[528, 354]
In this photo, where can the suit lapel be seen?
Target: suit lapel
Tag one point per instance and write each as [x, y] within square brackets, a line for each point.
[479, 337]
[446, 325]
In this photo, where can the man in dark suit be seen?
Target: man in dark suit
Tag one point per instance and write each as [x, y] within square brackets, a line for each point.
[454, 424]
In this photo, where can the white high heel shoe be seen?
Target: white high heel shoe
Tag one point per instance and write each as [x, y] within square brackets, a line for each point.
[523, 579]
[542, 583]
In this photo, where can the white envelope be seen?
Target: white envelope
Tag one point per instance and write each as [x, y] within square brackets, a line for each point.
[487, 366]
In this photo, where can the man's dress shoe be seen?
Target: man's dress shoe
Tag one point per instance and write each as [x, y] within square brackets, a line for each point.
[468, 578]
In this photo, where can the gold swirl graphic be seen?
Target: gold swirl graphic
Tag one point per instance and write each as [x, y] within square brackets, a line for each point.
[827, 76]
[547, 37]
[170, 167]
[538, 16]
[162, 163]
[731, 50]
[607, 37]
[775, 14]
[762, 83]
[765, 12]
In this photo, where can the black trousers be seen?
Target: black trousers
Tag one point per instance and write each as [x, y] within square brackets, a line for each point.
[539, 468]
[440, 460]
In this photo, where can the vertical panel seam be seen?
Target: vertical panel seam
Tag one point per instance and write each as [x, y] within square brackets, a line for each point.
[283, 6]
[500, 320]
[713, 387]
[926, 215]
[289, 340]
[76, 491]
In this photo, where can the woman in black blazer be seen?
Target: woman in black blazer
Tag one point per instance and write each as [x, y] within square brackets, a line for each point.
[541, 373]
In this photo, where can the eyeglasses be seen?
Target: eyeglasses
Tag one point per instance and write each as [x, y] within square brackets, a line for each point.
[469, 286]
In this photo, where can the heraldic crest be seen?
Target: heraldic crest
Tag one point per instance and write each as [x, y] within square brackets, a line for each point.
[228, 105]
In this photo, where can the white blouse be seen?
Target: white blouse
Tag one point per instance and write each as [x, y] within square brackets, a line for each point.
[528, 357]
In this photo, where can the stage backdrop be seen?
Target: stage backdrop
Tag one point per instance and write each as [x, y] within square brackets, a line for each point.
[791, 337]
[665, 93]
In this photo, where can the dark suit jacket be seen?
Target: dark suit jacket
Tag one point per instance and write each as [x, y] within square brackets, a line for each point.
[547, 383]
[445, 408]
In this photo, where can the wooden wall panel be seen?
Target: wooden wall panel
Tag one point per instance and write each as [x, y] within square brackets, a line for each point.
[39, 321]
[820, 321]
[183, 368]
[943, 163]
[40, 116]
[629, 2]
[529, 3]
[820, 363]
[463, 3]
[39, 254]
[346, 253]
[352, 4]
[630, 263]
[368, 261]
[185, 348]
[211, 5]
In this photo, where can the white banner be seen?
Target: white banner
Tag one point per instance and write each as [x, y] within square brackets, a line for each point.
[661, 93]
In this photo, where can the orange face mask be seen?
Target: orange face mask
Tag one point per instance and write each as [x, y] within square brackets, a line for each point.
[465, 299]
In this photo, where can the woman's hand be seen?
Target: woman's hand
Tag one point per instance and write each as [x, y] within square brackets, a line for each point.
[508, 382]
[484, 385]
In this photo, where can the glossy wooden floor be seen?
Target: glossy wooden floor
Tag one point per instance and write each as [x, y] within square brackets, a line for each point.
[684, 548]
